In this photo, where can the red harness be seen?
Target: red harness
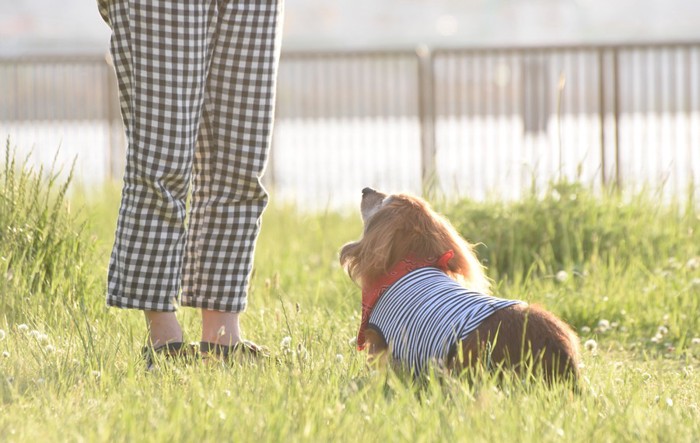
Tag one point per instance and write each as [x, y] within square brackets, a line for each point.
[372, 291]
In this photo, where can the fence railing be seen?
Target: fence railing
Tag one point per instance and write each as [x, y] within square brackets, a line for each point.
[469, 121]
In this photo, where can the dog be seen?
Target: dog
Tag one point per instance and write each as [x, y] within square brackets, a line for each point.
[426, 300]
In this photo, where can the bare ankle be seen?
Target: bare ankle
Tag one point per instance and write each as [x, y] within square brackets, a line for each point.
[163, 328]
[220, 328]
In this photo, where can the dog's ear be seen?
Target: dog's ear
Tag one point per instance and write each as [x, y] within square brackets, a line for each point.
[376, 252]
[466, 268]
[349, 256]
[433, 235]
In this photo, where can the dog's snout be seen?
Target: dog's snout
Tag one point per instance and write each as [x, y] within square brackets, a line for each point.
[368, 191]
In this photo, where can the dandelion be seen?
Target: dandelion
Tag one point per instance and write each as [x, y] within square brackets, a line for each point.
[23, 327]
[663, 330]
[695, 341]
[562, 276]
[6, 354]
[2, 335]
[657, 338]
[693, 264]
[591, 345]
[339, 358]
[286, 342]
[669, 402]
[50, 349]
[603, 325]
[35, 334]
[585, 330]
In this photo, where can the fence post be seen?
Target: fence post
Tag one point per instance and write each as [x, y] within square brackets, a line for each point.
[616, 115]
[601, 114]
[426, 115]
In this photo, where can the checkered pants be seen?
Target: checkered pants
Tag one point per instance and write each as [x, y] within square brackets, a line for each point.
[197, 87]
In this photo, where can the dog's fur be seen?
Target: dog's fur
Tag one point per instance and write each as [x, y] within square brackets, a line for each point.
[518, 337]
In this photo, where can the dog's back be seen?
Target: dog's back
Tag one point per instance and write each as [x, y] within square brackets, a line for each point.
[522, 338]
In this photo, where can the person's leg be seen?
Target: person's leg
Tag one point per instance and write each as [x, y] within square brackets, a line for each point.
[220, 328]
[160, 56]
[235, 133]
[163, 328]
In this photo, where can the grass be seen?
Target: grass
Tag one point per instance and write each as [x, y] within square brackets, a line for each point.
[623, 272]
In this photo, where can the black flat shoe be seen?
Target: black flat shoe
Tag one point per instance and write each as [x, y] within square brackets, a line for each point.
[171, 351]
[243, 348]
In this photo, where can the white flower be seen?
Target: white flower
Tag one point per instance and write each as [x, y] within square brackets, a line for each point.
[2, 334]
[50, 348]
[339, 358]
[23, 327]
[562, 276]
[591, 345]
[96, 374]
[657, 338]
[669, 402]
[35, 334]
[6, 354]
[286, 342]
[585, 330]
[695, 341]
[603, 325]
[693, 264]
[663, 330]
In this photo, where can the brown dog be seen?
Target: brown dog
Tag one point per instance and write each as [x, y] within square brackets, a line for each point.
[425, 299]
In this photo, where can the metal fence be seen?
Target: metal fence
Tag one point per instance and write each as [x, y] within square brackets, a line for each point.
[470, 121]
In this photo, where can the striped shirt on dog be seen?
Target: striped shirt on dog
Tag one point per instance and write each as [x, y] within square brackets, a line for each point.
[425, 313]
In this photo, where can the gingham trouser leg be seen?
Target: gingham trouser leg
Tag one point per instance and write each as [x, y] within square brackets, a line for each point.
[196, 82]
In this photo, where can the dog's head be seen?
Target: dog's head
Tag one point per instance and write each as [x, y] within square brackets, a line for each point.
[398, 226]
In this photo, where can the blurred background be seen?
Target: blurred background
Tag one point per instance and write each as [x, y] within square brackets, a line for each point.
[458, 97]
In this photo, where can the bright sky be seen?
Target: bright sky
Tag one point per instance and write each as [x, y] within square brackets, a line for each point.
[74, 25]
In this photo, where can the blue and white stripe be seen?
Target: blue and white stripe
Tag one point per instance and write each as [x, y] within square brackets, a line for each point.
[425, 313]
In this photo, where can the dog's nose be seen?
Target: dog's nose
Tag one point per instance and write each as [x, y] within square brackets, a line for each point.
[368, 191]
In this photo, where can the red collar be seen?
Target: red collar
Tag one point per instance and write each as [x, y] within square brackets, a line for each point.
[371, 291]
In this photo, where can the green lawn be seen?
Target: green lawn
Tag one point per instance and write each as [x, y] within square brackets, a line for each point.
[625, 272]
